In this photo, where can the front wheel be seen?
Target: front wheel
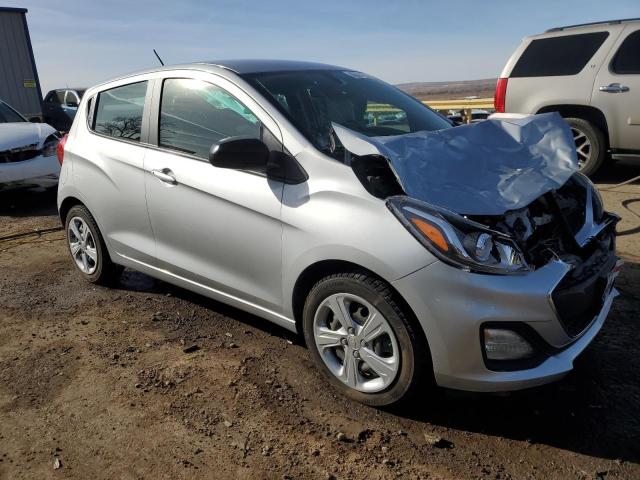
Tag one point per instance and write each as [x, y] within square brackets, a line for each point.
[363, 341]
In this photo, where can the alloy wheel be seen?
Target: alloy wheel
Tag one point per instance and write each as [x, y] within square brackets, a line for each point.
[356, 343]
[583, 146]
[82, 245]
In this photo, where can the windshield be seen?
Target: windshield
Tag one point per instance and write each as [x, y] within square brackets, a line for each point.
[312, 100]
[9, 115]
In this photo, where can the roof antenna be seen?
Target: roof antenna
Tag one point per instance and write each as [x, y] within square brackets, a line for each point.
[159, 59]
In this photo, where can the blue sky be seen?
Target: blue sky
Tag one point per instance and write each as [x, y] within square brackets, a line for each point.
[80, 43]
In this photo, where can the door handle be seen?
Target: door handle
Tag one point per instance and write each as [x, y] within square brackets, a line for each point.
[614, 88]
[165, 175]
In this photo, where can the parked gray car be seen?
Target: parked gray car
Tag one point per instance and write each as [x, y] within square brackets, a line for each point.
[476, 256]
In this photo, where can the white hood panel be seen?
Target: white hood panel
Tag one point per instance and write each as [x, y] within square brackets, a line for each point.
[20, 134]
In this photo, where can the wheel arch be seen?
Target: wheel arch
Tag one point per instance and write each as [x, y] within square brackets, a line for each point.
[588, 113]
[323, 268]
[67, 204]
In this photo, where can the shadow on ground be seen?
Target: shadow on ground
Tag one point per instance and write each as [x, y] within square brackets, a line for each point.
[28, 203]
[595, 410]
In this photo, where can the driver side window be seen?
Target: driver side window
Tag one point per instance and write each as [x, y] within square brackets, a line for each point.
[195, 114]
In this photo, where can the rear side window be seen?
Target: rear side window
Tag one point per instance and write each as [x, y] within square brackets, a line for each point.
[627, 59]
[195, 114]
[567, 55]
[119, 111]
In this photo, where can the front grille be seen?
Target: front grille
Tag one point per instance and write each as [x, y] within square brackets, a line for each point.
[20, 154]
[579, 298]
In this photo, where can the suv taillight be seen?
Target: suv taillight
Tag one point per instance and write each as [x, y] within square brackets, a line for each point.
[60, 149]
[501, 95]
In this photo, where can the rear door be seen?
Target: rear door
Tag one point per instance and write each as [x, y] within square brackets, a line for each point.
[217, 227]
[616, 91]
[108, 154]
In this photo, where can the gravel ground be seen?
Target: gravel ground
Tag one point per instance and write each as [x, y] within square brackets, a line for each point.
[146, 380]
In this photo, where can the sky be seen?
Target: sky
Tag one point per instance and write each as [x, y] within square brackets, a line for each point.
[79, 43]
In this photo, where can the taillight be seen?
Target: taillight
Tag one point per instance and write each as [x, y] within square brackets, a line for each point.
[60, 149]
[501, 95]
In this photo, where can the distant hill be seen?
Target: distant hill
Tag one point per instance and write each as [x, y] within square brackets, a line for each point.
[450, 90]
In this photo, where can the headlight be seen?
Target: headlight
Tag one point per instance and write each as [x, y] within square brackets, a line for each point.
[457, 240]
[50, 145]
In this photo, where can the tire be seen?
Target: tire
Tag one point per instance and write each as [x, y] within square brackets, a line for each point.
[101, 270]
[362, 294]
[590, 145]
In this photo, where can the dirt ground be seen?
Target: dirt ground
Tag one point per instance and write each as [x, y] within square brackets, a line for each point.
[95, 383]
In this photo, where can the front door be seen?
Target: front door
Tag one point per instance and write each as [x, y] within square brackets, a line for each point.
[217, 227]
[617, 91]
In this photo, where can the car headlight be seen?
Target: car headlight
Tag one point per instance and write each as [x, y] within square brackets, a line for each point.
[456, 240]
[50, 145]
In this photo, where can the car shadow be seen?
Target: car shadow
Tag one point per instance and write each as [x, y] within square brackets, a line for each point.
[618, 172]
[28, 202]
[595, 410]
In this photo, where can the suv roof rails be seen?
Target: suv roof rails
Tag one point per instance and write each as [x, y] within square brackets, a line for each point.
[603, 22]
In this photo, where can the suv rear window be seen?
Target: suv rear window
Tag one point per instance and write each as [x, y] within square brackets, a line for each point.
[627, 60]
[119, 111]
[566, 55]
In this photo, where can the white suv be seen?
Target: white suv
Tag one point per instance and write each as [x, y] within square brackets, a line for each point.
[588, 73]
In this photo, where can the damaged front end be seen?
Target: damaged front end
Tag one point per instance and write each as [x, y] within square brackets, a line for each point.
[499, 197]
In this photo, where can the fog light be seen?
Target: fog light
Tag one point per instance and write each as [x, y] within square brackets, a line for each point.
[501, 344]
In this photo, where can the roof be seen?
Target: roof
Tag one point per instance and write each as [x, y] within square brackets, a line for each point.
[245, 66]
[13, 10]
[604, 22]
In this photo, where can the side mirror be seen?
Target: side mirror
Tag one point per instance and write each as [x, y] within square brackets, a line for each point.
[241, 153]
[72, 104]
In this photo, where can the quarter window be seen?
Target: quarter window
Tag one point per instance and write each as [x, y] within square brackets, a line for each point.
[627, 60]
[119, 111]
[555, 56]
[195, 114]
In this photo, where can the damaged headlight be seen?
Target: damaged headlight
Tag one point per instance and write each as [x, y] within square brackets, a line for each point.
[456, 240]
[50, 145]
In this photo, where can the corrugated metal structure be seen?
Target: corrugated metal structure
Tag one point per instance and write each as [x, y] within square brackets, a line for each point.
[19, 83]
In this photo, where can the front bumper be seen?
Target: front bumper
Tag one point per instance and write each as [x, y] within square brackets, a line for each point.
[452, 305]
[39, 171]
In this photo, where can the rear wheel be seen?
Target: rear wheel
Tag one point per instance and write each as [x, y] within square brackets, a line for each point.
[590, 145]
[87, 247]
[362, 340]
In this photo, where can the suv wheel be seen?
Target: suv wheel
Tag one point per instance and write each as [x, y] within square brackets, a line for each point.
[362, 340]
[87, 247]
[590, 145]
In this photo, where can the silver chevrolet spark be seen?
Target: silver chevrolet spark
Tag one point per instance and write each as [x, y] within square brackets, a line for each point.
[405, 251]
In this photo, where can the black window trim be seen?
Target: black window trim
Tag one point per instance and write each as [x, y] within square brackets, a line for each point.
[613, 57]
[144, 127]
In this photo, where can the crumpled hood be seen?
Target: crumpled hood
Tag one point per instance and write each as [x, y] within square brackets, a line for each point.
[485, 168]
[20, 134]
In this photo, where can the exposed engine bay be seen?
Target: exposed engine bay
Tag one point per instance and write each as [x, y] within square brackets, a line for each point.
[548, 228]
